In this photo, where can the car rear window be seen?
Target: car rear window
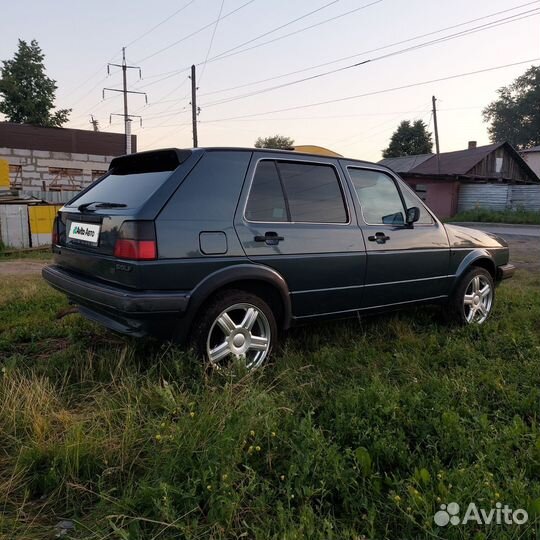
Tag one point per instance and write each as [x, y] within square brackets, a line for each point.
[129, 189]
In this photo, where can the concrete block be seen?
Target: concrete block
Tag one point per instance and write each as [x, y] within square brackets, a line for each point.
[79, 157]
[41, 154]
[67, 164]
[97, 159]
[61, 155]
[21, 152]
[6, 151]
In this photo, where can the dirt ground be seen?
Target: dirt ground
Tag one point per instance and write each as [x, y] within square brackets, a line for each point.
[21, 267]
[524, 253]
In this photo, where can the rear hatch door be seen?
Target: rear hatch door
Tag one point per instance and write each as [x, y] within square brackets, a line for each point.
[135, 188]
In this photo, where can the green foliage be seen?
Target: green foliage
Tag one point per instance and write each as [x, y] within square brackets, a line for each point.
[515, 115]
[409, 139]
[275, 141]
[359, 429]
[27, 93]
[519, 216]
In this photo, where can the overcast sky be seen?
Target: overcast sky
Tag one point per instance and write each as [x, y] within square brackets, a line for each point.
[79, 38]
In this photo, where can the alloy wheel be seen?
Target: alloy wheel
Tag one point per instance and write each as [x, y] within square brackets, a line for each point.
[477, 300]
[241, 331]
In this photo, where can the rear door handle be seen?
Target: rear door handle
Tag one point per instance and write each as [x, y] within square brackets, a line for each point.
[379, 237]
[270, 238]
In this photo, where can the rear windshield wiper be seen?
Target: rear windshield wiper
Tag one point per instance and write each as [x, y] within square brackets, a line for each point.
[97, 204]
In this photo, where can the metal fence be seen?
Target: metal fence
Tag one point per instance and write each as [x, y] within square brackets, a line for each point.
[498, 197]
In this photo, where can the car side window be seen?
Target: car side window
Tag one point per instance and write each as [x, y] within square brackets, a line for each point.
[313, 192]
[412, 200]
[379, 197]
[266, 200]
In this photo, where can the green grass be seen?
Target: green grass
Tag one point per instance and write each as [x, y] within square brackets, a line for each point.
[526, 217]
[360, 429]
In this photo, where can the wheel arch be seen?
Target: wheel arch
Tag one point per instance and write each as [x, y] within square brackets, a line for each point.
[258, 279]
[477, 258]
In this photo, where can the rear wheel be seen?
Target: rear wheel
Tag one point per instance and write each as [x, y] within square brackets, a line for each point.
[236, 326]
[474, 297]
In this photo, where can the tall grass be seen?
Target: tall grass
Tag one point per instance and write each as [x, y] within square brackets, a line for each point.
[360, 429]
[519, 216]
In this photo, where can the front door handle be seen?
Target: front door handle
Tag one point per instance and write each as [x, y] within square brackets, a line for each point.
[379, 237]
[270, 238]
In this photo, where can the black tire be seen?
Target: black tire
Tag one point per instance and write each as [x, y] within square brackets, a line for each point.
[207, 332]
[459, 311]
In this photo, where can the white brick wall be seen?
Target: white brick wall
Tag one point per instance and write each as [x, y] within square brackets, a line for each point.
[36, 163]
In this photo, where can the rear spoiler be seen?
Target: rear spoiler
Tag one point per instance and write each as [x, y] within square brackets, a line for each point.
[151, 161]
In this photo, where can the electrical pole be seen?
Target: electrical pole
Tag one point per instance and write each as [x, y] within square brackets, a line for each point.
[194, 109]
[436, 129]
[125, 91]
[94, 122]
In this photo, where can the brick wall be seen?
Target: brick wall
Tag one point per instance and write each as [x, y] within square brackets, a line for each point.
[47, 170]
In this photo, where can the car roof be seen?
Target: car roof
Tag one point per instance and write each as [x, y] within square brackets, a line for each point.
[282, 151]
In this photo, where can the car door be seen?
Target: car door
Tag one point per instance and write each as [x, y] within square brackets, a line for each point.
[405, 262]
[296, 216]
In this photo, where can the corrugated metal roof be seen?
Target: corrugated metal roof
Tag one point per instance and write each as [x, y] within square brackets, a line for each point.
[405, 163]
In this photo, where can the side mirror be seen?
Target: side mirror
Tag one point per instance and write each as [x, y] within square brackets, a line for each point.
[413, 215]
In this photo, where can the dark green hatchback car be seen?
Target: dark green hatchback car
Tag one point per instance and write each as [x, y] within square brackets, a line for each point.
[225, 247]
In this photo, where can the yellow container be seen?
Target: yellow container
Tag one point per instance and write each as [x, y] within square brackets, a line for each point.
[41, 221]
[4, 174]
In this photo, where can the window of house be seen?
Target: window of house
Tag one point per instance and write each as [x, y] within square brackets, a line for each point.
[65, 177]
[296, 191]
[378, 196]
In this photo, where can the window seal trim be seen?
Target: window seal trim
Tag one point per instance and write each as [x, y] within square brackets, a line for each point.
[295, 160]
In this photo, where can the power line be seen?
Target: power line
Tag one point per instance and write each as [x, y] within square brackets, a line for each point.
[376, 92]
[486, 26]
[320, 23]
[194, 32]
[343, 58]
[212, 39]
[168, 18]
[223, 55]
[277, 28]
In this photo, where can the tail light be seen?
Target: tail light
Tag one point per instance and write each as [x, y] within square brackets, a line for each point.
[55, 238]
[136, 241]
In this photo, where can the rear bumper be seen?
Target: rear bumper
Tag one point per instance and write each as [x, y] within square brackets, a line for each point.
[505, 271]
[122, 310]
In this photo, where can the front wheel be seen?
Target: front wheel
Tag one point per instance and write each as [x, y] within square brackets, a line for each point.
[235, 326]
[474, 297]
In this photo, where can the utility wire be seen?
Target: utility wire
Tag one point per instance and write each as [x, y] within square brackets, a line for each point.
[223, 55]
[168, 18]
[169, 74]
[343, 58]
[195, 32]
[211, 41]
[486, 26]
[479, 28]
[277, 28]
[376, 92]
[305, 28]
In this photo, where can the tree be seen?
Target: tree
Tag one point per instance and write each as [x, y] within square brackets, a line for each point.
[409, 140]
[515, 115]
[277, 141]
[28, 94]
